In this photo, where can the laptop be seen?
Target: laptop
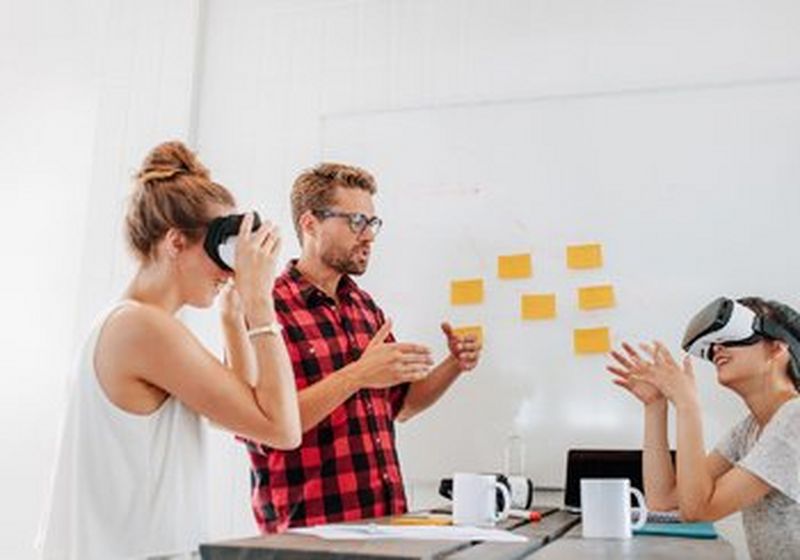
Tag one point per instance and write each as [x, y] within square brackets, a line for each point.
[601, 463]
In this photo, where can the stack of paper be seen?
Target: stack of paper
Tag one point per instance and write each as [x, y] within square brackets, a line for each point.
[437, 533]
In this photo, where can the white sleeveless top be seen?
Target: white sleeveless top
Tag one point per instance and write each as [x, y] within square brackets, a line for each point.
[125, 485]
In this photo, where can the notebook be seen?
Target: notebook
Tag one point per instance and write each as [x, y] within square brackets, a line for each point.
[687, 530]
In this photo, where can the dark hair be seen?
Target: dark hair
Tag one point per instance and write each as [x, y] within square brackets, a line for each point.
[784, 316]
[315, 189]
[172, 190]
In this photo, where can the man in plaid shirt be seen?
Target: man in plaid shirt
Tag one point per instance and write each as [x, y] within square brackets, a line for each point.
[353, 378]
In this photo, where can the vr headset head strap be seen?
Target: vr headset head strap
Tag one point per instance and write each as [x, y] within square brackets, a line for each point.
[771, 329]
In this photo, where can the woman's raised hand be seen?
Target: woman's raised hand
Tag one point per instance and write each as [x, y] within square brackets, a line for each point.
[629, 371]
[256, 255]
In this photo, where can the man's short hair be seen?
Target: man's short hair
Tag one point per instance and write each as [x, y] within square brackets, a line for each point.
[315, 188]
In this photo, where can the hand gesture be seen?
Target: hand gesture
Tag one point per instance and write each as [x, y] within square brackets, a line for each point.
[675, 381]
[256, 254]
[385, 364]
[466, 350]
[629, 370]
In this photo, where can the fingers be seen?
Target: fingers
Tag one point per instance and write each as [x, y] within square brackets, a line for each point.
[631, 351]
[469, 343]
[688, 368]
[415, 374]
[622, 360]
[447, 329]
[469, 357]
[410, 372]
[621, 373]
[649, 349]
[415, 359]
[246, 226]
[664, 354]
[263, 236]
[624, 383]
[380, 336]
[276, 246]
[467, 349]
[411, 348]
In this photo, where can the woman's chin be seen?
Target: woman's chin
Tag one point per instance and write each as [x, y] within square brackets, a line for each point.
[724, 377]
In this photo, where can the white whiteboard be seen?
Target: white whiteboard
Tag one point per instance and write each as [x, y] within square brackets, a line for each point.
[693, 193]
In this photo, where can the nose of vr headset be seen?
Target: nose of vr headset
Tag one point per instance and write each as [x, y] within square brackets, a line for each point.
[724, 322]
[220, 241]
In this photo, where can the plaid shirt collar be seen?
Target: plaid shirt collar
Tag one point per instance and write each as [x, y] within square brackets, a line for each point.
[311, 294]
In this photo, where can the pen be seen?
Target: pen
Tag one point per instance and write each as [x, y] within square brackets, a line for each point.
[531, 515]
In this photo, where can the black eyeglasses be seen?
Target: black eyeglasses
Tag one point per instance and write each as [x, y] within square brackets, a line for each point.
[357, 221]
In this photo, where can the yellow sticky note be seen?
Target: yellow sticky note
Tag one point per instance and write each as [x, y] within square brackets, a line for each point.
[538, 306]
[514, 266]
[596, 297]
[585, 256]
[466, 292]
[470, 330]
[592, 341]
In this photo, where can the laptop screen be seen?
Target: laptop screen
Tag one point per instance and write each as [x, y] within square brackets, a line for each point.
[601, 463]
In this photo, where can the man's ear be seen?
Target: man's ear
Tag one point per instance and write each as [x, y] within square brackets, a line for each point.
[174, 243]
[308, 226]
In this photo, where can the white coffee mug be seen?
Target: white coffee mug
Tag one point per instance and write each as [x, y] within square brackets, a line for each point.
[606, 508]
[474, 499]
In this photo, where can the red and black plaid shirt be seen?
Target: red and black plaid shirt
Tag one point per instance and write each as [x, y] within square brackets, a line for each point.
[346, 467]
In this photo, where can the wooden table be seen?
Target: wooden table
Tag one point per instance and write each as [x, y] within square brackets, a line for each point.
[556, 537]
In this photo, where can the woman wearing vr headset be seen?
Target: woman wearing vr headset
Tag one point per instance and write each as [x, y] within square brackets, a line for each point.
[130, 477]
[755, 469]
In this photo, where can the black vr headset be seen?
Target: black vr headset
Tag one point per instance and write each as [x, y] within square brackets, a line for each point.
[729, 323]
[220, 242]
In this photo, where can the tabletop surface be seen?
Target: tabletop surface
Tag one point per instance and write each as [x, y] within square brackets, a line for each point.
[557, 536]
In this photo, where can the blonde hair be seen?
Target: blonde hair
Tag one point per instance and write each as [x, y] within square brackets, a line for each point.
[315, 188]
[171, 190]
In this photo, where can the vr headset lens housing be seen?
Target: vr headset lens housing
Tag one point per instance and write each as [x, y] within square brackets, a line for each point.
[220, 241]
[723, 322]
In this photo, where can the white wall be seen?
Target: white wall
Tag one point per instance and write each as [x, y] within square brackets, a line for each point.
[86, 88]
[48, 107]
[272, 71]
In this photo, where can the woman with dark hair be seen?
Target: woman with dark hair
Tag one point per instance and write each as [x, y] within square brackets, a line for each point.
[755, 469]
[129, 480]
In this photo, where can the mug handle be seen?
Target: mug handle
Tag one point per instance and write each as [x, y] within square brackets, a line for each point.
[502, 514]
[642, 509]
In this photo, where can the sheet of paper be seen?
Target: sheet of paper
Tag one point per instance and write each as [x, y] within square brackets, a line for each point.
[585, 256]
[467, 330]
[374, 531]
[592, 341]
[538, 306]
[510, 267]
[596, 297]
[466, 292]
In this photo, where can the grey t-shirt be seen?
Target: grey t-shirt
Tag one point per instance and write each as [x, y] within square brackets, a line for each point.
[772, 525]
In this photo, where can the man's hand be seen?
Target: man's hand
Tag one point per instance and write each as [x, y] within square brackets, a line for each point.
[385, 364]
[466, 350]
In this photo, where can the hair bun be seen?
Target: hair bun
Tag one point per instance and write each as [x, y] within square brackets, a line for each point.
[169, 159]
